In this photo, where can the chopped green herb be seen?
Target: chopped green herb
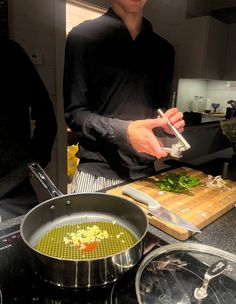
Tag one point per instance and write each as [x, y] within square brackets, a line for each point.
[178, 183]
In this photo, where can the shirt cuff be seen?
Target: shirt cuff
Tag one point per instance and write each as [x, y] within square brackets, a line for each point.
[120, 128]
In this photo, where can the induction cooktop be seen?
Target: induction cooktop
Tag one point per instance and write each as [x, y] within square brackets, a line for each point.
[18, 284]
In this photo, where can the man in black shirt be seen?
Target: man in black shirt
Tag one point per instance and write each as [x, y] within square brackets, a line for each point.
[24, 102]
[117, 73]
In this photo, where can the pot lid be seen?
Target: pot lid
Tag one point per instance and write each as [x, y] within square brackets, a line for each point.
[186, 273]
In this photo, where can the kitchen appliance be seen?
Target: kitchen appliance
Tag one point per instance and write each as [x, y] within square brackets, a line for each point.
[201, 209]
[19, 285]
[155, 209]
[75, 209]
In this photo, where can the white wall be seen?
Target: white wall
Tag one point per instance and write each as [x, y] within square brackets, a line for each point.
[35, 34]
[214, 90]
[221, 92]
[187, 89]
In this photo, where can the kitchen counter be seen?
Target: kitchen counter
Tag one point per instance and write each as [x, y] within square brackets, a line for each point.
[211, 118]
[10, 223]
[220, 234]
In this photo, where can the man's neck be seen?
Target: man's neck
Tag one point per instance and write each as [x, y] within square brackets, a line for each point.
[132, 21]
[134, 26]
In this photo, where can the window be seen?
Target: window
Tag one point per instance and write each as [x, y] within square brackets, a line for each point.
[77, 12]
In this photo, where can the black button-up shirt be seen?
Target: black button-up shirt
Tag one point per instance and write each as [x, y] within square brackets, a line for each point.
[109, 80]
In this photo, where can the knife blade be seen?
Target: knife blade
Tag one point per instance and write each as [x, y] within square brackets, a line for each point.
[155, 209]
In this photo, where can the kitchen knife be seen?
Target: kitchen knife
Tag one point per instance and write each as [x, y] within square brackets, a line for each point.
[155, 209]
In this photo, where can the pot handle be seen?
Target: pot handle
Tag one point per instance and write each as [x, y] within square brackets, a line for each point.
[213, 271]
[43, 178]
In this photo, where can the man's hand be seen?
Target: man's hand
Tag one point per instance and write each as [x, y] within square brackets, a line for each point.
[142, 138]
[176, 118]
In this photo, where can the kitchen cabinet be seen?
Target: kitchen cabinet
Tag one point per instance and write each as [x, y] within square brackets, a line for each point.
[200, 48]
[230, 62]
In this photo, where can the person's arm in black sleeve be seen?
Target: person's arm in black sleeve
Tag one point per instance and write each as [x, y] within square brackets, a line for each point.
[41, 112]
[78, 115]
[167, 77]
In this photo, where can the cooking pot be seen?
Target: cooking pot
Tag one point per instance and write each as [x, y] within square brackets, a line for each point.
[187, 273]
[69, 209]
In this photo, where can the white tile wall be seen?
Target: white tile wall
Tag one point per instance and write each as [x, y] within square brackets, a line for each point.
[187, 89]
[214, 90]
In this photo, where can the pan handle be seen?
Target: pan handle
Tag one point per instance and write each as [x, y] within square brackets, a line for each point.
[43, 178]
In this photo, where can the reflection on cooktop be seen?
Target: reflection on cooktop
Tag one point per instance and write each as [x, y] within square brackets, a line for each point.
[19, 285]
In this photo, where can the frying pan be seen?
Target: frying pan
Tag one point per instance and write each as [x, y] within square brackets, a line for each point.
[68, 209]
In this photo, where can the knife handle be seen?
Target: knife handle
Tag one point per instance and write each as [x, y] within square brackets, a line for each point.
[140, 196]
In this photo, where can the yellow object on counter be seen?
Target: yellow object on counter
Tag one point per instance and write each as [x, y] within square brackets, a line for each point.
[72, 161]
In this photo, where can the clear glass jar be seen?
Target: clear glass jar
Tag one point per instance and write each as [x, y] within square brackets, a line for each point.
[195, 104]
[201, 104]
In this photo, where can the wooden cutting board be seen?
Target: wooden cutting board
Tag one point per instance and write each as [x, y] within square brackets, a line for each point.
[201, 209]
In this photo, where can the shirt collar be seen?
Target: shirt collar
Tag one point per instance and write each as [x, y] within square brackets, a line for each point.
[146, 25]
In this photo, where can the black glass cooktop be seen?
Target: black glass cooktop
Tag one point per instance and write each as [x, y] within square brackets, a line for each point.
[18, 284]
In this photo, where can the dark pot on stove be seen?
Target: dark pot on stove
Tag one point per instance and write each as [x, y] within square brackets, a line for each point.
[75, 208]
